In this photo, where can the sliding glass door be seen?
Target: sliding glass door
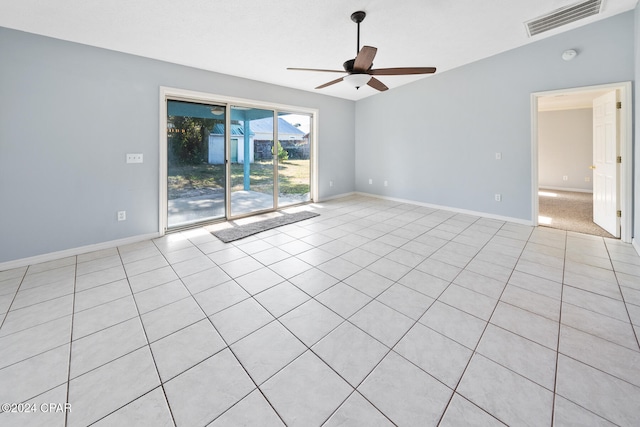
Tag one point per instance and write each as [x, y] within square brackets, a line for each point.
[294, 158]
[252, 170]
[226, 160]
[196, 174]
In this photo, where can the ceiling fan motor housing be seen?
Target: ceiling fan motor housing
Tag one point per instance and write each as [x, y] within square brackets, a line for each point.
[348, 66]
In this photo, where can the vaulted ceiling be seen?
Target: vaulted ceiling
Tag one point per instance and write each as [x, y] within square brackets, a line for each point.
[259, 39]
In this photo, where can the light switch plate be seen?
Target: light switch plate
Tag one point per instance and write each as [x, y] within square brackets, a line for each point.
[134, 157]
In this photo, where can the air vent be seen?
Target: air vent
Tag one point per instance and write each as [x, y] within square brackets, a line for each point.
[563, 16]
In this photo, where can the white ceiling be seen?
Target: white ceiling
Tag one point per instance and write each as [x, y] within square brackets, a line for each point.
[259, 39]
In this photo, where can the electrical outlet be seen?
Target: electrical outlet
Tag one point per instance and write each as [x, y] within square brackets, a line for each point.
[122, 215]
[565, 178]
[498, 156]
[386, 183]
[370, 181]
[498, 197]
[330, 183]
[134, 157]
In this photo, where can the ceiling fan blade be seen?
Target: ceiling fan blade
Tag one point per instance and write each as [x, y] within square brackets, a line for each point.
[364, 60]
[332, 82]
[401, 71]
[377, 84]
[316, 69]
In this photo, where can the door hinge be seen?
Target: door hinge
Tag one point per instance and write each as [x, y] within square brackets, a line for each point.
[619, 214]
[619, 159]
[619, 105]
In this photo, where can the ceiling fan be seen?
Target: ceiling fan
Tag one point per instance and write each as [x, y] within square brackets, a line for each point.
[359, 70]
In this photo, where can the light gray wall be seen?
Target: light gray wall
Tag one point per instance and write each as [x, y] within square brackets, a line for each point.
[68, 115]
[435, 140]
[565, 148]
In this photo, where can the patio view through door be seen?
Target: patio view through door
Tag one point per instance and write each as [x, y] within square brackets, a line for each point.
[294, 158]
[196, 173]
[226, 161]
[252, 187]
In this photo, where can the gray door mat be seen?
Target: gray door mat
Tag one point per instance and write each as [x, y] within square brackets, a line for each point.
[242, 231]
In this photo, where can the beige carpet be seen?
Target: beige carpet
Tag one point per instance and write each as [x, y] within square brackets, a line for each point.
[569, 210]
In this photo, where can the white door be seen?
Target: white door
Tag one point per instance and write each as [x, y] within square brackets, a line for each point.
[605, 164]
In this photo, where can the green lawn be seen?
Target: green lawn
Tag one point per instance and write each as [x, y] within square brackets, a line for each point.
[294, 177]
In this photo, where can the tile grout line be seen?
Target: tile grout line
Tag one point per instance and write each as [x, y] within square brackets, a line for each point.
[580, 361]
[227, 346]
[148, 345]
[40, 302]
[44, 351]
[417, 321]
[623, 298]
[123, 355]
[344, 320]
[436, 299]
[391, 349]
[334, 285]
[73, 306]
[4, 318]
[488, 321]
[555, 376]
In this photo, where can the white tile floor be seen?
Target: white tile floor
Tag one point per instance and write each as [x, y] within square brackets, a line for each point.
[374, 313]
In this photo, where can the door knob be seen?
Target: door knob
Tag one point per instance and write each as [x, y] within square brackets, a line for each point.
[592, 167]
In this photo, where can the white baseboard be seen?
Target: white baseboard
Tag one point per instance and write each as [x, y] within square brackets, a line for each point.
[23, 262]
[135, 239]
[75, 251]
[636, 245]
[575, 190]
[337, 196]
[456, 210]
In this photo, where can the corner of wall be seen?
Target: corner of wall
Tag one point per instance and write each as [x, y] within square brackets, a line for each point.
[636, 163]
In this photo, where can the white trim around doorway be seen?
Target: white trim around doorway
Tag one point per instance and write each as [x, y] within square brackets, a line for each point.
[195, 96]
[626, 151]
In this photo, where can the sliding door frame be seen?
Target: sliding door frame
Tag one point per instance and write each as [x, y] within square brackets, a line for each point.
[176, 94]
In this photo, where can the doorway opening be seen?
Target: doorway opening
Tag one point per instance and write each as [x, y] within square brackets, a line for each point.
[581, 163]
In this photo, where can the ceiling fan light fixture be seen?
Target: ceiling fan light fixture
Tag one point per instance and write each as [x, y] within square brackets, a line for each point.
[217, 111]
[357, 80]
